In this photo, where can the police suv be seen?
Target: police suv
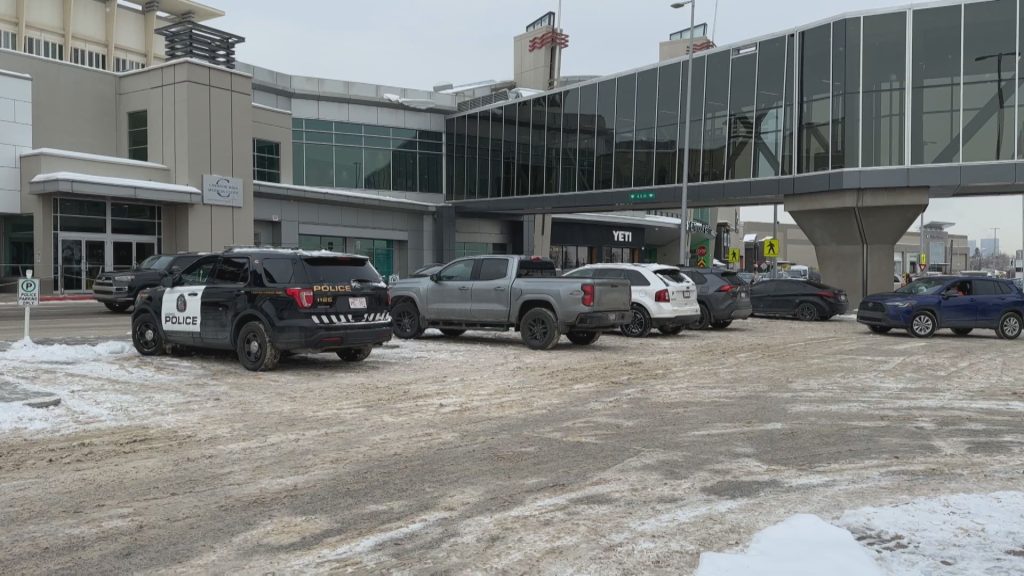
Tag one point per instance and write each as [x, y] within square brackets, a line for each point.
[262, 302]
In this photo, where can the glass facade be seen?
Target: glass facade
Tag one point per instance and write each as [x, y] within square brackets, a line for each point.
[343, 155]
[917, 86]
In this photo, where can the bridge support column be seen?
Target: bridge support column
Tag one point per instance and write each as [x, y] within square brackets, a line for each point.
[854, 233]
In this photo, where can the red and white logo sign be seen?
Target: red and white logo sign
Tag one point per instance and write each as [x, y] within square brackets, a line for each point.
[549, 38]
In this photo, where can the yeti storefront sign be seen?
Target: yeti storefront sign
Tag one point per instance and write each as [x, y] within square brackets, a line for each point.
[181, 311]
[222, 190]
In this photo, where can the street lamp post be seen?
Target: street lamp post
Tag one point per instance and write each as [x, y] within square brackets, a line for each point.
[684, 232]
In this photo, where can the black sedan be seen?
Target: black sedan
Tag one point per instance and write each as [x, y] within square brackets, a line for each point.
[800, 299]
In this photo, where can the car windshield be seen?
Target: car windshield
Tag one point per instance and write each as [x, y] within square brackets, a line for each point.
[156, 263]
[924, 286]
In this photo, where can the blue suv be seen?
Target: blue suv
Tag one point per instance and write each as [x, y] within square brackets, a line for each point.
[959, 303]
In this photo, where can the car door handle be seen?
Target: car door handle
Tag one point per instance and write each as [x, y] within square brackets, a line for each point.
[499, 288]
[463, 288]
[193, 294]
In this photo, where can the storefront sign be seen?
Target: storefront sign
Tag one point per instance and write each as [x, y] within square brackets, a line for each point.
[622, 236]
[222, 190]
[576, 234]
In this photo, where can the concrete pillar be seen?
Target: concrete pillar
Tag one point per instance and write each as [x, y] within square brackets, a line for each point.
[111, 32]
[444, 233]
[22, 23]
[537, 235]
[69, 12]
[149, 11]
[854, 233]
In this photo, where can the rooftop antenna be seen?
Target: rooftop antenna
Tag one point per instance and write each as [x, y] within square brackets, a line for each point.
[714, 23]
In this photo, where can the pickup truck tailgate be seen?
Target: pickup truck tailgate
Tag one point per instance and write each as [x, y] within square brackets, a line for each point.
[612, 295]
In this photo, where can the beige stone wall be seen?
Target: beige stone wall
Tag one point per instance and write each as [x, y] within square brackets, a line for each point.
[276, 126]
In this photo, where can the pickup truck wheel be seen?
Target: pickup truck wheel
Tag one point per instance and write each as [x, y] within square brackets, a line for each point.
[355, 354]
[405, 321]
[452, 333]
[640, 326]
[705, 319]
[539, 329]
[255, 351]
[118, 308]
[671, 330]
[1010, 326]
[583, 338]
[146, 336]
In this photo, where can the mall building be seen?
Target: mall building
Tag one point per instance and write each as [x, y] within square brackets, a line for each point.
[128, 128]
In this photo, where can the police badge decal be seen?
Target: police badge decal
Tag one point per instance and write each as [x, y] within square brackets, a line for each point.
[182, 303]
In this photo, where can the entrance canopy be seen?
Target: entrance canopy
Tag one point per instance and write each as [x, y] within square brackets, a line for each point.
[90, 185]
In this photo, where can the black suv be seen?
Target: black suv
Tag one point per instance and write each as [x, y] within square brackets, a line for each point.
[118, 290]
[723, 297]
[261, 302]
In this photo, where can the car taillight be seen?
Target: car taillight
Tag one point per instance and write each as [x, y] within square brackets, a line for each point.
[588, 294]
[828, 294]
[662, 296]
[727, 288]
[302, 296]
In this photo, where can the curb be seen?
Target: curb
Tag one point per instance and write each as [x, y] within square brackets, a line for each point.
[75, 298]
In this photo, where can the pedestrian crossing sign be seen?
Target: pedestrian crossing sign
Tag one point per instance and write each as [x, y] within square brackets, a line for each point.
[734, 255]
[771, 248]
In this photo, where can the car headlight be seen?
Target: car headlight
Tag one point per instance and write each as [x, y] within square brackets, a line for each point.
[124, 278]
[902, 304]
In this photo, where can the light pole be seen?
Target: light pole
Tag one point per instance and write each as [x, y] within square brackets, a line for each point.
[684, 232]
[995, 242]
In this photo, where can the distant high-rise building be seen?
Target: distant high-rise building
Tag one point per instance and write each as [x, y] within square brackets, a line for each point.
[989, 246]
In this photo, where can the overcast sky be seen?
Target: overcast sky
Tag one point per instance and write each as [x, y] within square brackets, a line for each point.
[422, 43]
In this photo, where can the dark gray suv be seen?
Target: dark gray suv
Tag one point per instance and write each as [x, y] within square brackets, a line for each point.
[723, 297]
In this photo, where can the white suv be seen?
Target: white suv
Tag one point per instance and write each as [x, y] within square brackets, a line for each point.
[663, 297]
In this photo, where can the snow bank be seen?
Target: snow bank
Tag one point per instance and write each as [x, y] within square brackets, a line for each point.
[803, 545]
[961, 534]
[27, 351]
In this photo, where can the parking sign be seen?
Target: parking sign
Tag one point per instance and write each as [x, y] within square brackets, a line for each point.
[28, 292]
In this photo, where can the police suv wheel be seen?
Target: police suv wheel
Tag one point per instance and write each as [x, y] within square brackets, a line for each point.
[539, 329]
[355, 354]
[146, 336]
[405, 321]
[1010, 326]
[255, 351]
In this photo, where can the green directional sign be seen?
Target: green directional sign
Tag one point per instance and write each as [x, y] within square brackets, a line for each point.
[648, 196]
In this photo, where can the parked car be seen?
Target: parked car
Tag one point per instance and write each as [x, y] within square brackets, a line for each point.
[747, 277]
[510, 292]
[118, 290]
[662, 297]
[262, 303]
[806, 300]
[960, 303]
[722, 295]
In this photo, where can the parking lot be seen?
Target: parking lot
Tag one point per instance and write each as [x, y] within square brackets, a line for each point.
[478, 455]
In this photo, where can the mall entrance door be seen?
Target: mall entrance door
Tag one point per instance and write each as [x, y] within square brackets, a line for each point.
[82, 257]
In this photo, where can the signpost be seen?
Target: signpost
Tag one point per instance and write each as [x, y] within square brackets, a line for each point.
[28, 296]
[771, 251]
[734, 255]
[702, 256]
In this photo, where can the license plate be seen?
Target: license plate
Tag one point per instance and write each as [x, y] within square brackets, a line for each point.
[357, 303]
[686, 293]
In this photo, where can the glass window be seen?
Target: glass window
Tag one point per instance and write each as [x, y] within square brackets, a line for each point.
[935, 83]
[636, 278]
[339, 270]
[68, 206]
[449, 152]
[377, 169]
[461, 271]
[472, 154]
[497, 141]
[696, 121]
[771, 87]
[404, 166]
[320, 165]
[570, 141]
[814, 98]
[625, 124]
[138, 135]
[988, 90]
[788, 112]
[538, 118]
[266, 161]
[281, 270]
[199, 272]
[523, 149]
[429, 169]
[667, 130]
[136, 227]
[493, 269]
[380, 252]
[232, 271]
[716, 117]
[553, 151]
[508, 151]
[846, 94]
[459, 184]
[374, 130]
[319, 125]
[348, 166]
[741, 117]
[588, 137]
[605, 134]
[646, 127]
[346, 128]
[986, 288]
[299, 160]
[885, 48]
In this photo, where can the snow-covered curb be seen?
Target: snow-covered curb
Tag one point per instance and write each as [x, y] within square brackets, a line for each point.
[953, 535]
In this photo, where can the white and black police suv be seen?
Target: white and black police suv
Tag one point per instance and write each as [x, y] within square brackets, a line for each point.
[262, 302]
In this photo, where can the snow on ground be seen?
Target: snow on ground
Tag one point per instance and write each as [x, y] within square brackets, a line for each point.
[953, 535]
[103, 384]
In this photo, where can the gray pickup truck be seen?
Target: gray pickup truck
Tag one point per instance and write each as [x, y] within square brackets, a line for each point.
[499, 293]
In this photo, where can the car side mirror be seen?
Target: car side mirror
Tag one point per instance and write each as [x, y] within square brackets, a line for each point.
[435, 278]
[167, 281]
